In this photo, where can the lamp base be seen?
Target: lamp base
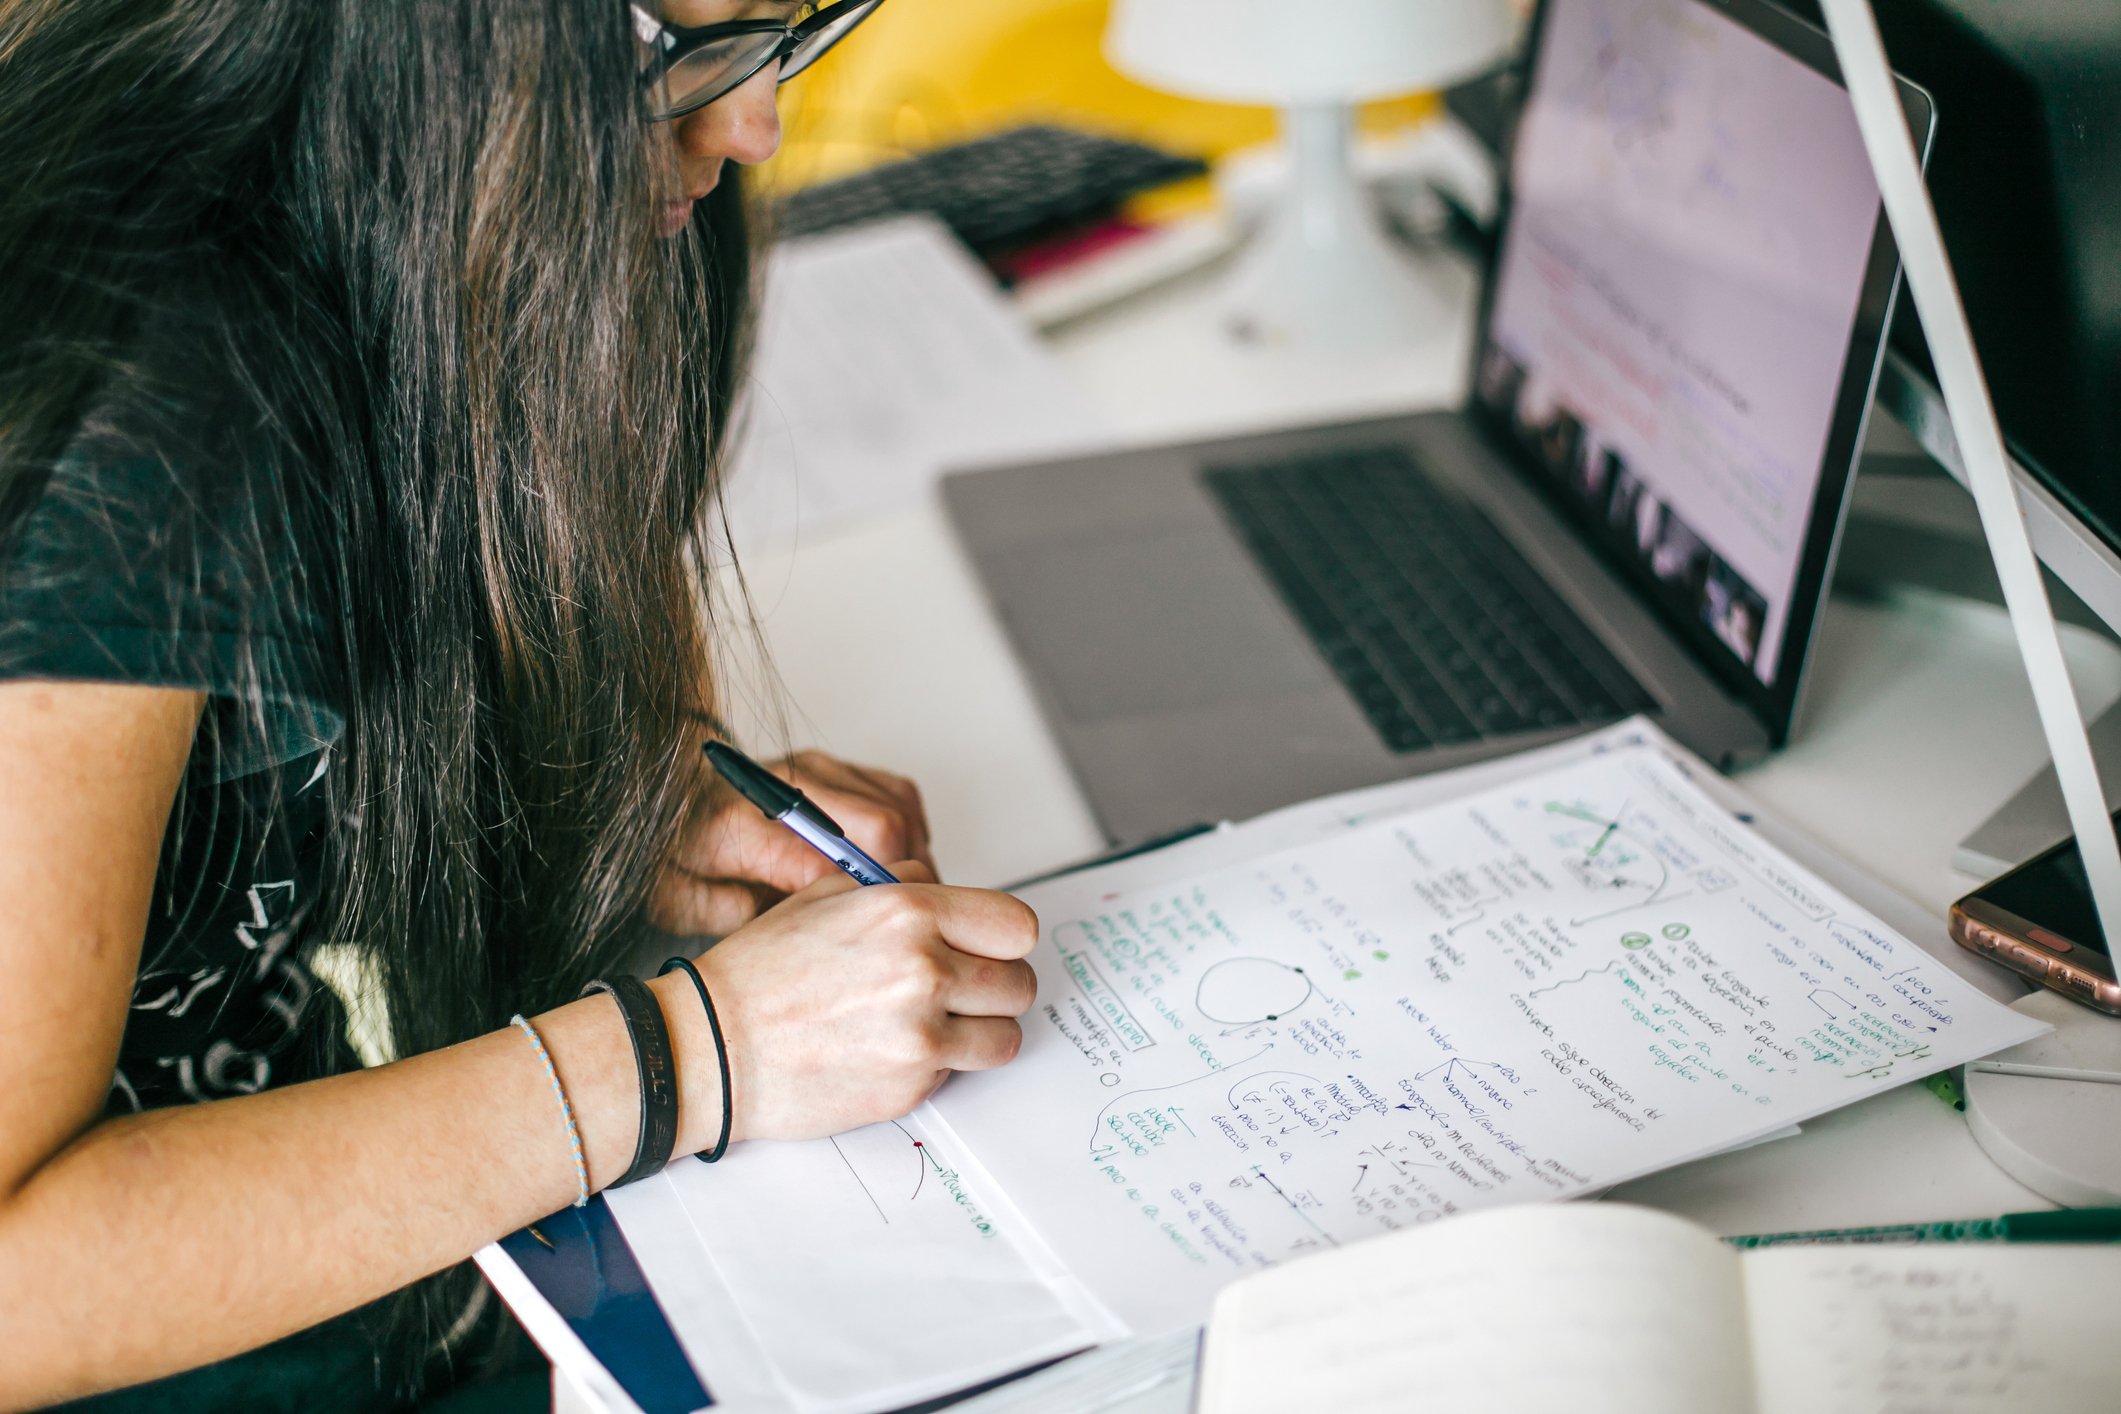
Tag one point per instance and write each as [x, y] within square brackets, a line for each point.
[2049, 1112]
[1323, 272]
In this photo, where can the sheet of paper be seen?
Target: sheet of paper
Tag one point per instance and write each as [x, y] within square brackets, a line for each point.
[1147, 1376]
[704, 1315]
[1944, 1328]
[1536, 991]
[885, 356]
[871, 1269]
[1599, 1310]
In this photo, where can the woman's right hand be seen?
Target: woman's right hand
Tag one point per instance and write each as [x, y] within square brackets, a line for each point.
[843, 1006]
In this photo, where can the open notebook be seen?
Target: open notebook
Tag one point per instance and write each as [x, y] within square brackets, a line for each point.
[1587, 1308]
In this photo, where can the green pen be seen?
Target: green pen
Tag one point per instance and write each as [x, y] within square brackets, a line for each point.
[2060, 1225]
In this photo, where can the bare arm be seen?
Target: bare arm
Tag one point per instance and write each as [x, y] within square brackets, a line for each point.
[134, 1247]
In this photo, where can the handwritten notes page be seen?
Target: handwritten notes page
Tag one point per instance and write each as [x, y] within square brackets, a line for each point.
[1608, 1309]
[1590, 1310]
[1532, 992]
[1957, 1328]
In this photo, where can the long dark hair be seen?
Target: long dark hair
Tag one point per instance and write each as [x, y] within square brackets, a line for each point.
[415, 248]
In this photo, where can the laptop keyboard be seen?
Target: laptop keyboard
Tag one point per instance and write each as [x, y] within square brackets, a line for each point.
[1431, 619]
[998, 192]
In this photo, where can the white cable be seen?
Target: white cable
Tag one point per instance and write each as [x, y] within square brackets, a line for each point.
[1951, 342]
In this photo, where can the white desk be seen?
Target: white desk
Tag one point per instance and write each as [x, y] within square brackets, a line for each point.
[1919, 723]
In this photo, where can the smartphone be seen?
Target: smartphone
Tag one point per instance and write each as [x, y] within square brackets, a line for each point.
[2039, 920]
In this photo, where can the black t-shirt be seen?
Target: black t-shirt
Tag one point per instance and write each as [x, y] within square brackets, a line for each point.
[183, 569]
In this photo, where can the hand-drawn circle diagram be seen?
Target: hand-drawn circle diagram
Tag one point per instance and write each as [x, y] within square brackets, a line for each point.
[1242, 991]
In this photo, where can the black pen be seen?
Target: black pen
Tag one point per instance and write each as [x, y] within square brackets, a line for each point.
[783, 802]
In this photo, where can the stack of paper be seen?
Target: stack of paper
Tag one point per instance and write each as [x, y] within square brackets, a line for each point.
[1557, 974]
[886, 355]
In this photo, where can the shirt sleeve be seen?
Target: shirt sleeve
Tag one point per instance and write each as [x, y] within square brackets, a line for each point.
[127, 570]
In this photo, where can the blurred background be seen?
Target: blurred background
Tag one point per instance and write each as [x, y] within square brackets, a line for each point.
[927, 73]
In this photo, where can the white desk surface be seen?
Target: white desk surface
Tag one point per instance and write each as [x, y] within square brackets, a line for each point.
[1919, 722]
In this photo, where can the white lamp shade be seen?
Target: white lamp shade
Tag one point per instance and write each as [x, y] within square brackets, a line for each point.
[1306, 51]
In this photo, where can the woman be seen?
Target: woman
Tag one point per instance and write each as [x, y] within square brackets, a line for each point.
[361, 369]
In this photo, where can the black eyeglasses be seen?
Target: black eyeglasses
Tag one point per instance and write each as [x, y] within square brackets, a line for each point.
[685, 69]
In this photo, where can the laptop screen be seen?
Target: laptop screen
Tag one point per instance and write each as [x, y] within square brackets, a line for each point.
[1678, 287]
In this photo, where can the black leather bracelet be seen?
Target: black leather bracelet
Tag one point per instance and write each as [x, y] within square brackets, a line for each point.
[721, 1055]
[657, 1070]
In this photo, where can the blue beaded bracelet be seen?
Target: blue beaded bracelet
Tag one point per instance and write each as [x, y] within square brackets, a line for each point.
[574, 1136]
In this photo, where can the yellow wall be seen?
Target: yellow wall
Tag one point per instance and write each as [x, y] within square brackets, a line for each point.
[920, 73]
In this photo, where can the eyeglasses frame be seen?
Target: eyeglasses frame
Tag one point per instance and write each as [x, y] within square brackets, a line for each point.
[686, 40]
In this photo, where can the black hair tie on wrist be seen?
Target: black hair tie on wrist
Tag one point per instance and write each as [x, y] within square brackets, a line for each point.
[721, 1055]
[656, 1068]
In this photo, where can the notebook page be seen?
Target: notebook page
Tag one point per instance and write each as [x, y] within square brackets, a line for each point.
[1576, 1310]
[1940, 1328]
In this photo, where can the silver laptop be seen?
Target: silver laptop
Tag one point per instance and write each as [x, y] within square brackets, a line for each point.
[1636, 510]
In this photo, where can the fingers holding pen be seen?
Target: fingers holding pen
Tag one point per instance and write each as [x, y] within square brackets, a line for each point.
[881, 812]
[985, 987]
[977, 922]
[847, 1005]
[961, 951]
[735, 858]
[980, 1042]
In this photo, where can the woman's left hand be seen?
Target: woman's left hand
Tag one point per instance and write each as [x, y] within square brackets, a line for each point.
[734, 863]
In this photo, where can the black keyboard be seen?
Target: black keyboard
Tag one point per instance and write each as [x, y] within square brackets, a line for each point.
[998, 193]
[1433, 621]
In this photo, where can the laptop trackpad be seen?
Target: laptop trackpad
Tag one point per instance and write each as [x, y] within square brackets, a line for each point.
[1125, 624]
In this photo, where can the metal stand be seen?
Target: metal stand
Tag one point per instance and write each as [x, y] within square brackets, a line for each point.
[2034, 818]
[2058, 1140]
